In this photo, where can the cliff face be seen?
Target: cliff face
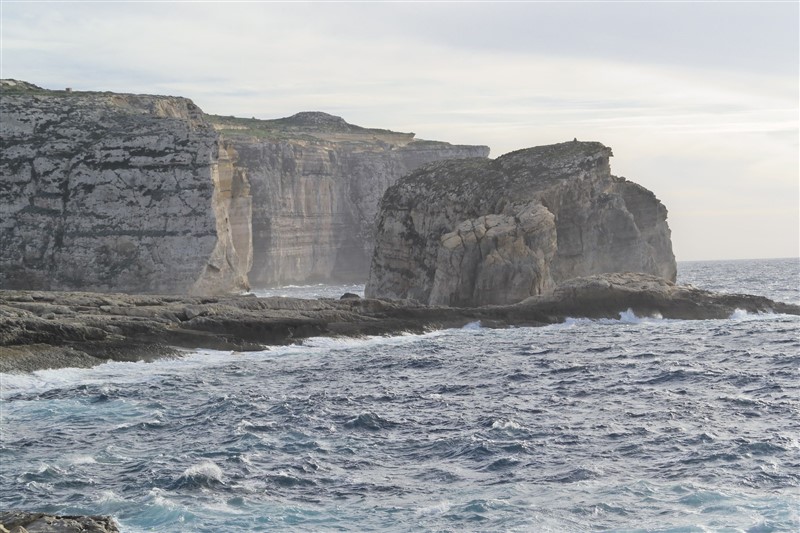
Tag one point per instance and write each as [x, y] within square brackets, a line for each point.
[133, 193]
[316, 182]
[118, 192]
[483, 232]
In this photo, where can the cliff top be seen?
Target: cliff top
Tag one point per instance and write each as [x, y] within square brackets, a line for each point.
[19, 86]
[309, 125]
[527, 168]
[320, 122]
[559, 153]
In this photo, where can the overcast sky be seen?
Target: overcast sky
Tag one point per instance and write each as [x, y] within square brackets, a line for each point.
[699, 101]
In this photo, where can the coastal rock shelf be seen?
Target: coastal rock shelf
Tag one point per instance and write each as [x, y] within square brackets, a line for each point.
[478, 231]
[59, 329]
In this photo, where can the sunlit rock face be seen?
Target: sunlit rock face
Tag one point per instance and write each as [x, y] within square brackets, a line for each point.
[478, 232]
[316, 182]
[118, 192]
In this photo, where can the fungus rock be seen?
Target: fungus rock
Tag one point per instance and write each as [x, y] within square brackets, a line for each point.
[477, 231]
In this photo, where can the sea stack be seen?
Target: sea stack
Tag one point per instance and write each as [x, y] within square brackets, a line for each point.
[479, 232]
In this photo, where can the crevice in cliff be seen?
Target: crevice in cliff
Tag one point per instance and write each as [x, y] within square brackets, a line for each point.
[232, 207]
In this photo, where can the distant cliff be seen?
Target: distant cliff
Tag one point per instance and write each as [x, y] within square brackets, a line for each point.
[118, 192]
[138, 193]
[478, 232]
[316, 182]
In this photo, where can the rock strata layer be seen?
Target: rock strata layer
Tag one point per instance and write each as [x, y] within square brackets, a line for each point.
[56, 329]
[479, 232]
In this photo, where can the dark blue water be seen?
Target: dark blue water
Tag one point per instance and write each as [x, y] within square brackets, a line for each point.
[611, 425]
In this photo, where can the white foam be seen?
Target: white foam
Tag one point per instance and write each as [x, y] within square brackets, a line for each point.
[625, 317]
[205, 469]
[119, 372]
[437, 509]
[473, 325]
[116, 372]
[75, 460]
[109, 497]
[505, 424]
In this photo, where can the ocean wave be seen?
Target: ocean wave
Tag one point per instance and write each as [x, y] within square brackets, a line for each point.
[118, 372]
[369, 421]
[205, 474]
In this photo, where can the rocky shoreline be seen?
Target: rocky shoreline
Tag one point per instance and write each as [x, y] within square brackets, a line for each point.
[25, 522]
[42, 329]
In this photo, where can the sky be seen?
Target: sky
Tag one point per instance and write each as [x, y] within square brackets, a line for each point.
[698, 100]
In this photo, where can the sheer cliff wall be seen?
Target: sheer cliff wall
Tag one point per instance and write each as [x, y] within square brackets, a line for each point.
[116, 192]
[137, 193]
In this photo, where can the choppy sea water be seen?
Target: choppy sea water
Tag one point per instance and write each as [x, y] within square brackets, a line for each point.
[606, 425]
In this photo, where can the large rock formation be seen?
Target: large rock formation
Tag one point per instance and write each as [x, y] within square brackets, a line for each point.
[477, 232]
[103, 191]
[316, 183]
[120, 192]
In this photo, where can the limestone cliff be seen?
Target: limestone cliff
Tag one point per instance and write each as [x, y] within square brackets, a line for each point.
[137, 193]
[106, 191]
[479, 232]
[316, 182]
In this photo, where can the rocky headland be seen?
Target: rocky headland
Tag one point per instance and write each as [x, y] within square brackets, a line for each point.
[41, 329]
[147, 194]
[477, 232]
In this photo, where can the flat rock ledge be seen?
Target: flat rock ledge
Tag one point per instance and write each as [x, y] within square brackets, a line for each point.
[24, 522]
[41, 329]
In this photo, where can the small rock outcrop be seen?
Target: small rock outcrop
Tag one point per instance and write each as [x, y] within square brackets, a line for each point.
[20, 522]
[479, 232]
[106, 191]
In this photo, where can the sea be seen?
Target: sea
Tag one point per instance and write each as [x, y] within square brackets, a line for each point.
[626, 425]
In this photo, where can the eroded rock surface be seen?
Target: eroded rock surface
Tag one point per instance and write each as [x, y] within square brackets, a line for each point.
[478, 231]
[106, 191]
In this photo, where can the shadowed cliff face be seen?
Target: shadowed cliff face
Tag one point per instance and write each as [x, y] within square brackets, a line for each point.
[480, 232]
[117, 192]
[316, 182]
